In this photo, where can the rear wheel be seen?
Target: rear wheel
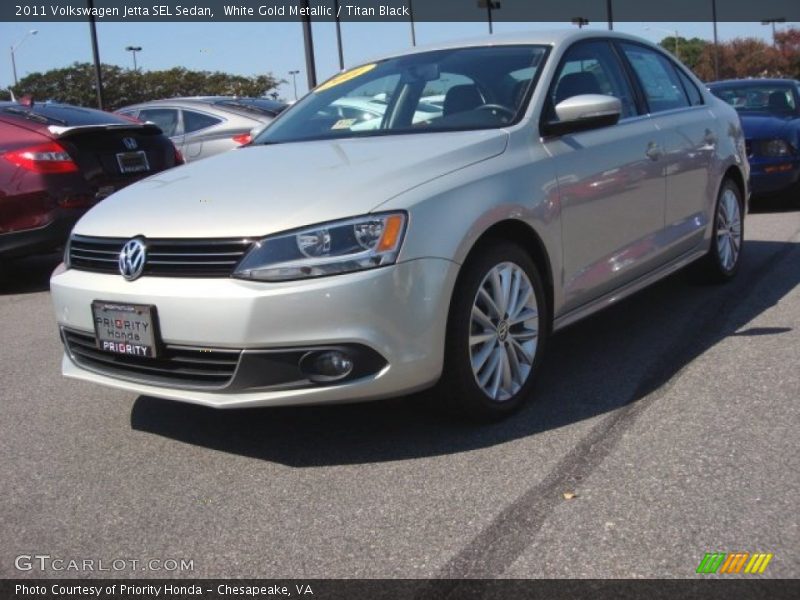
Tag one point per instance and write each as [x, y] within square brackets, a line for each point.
[495, 334]
[723, 258]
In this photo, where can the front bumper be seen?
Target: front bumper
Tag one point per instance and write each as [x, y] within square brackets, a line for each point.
[397, 312]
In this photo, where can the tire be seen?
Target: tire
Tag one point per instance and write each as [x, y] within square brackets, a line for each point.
[491, 359]
[727, 240]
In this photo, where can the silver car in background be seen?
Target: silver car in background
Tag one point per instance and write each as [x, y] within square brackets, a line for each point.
[202, 126]
[325, 262]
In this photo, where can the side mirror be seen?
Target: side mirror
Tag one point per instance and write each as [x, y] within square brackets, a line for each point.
[583, 112]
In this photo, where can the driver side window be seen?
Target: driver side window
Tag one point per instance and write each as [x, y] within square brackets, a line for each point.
[592, 68]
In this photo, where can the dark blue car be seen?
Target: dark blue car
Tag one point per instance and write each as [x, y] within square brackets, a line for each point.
[770, 114]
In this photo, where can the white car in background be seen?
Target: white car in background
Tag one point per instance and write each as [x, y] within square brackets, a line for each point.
[202, 126]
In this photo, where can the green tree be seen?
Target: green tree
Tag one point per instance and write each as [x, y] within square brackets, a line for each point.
[688, 51]
[76, 85]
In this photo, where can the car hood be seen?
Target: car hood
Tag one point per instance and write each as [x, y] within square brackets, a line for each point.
[767, 126]
[259, 190]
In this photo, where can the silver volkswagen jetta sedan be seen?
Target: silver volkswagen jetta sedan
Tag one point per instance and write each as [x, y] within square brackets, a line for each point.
[337, 260]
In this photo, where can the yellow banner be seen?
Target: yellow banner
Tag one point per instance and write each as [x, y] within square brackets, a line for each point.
[346, 76]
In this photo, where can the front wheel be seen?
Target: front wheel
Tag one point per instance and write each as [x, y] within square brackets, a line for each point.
[495, 333]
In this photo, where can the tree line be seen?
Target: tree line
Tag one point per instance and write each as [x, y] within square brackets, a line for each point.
[75, 84]
[741, 57]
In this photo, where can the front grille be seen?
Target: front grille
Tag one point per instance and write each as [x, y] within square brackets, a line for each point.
[165, 257]
[176, 366]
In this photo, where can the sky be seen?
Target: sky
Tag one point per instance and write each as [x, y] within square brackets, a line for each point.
[257, 47]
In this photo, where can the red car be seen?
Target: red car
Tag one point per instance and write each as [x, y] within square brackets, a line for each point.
[57, 160]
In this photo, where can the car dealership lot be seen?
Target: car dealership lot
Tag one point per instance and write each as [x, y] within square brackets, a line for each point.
[673, 417]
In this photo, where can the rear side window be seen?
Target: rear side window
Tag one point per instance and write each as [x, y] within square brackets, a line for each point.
[695, 97]
[165, 118]
[592, 68]
[662, 88]
[195, 121]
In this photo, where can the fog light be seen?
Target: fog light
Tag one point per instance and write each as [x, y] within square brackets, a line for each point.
[326, 365]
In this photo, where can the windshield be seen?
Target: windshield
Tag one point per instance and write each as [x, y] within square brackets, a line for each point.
[768, 98]
[444, 90]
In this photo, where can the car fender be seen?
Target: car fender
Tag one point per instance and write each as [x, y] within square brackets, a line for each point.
[449, 215]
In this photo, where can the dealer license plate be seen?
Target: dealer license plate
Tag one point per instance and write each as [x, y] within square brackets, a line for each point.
[125, 328]
[133, 162]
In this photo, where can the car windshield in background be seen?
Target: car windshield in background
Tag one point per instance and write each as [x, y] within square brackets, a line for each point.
[775, 99]
[445, 90]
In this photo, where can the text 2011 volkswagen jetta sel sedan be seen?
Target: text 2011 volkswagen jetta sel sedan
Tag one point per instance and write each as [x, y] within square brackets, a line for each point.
[337, 259]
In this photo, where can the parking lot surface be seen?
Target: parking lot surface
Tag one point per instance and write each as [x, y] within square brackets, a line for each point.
[670, 421]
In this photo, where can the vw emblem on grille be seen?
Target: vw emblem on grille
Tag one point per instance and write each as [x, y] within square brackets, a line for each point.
[132, 258]
[130, 143]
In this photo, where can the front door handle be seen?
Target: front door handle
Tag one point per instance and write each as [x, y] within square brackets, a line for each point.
[653, 151]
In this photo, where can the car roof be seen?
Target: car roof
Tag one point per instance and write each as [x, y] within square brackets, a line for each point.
[59, 114]
[207, 100]
[547, 37]
[253, 108]
[753, 82]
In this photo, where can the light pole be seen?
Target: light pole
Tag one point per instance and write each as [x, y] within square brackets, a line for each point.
[294, 82]
[772, 22]
[489, 5]
[98, 71]
[133, 50]
[411, 20]
[672, 32]
[308, 43]
[14, 48]
[338, 34]
[716, 40]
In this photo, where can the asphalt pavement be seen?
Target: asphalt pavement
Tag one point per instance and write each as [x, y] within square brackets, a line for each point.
[664, 427]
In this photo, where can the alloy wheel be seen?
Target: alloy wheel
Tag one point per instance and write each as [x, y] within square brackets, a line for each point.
[729, 230]
[504, 331]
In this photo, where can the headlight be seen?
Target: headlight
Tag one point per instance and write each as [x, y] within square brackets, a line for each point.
[326, 249]
[775, 148]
